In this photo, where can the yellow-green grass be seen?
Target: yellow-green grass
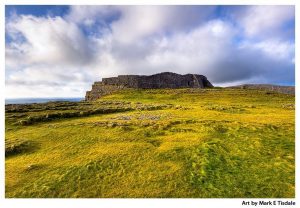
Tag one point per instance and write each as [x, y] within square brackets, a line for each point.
[199, 144]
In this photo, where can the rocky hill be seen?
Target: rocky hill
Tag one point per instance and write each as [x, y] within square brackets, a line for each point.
[156, 81]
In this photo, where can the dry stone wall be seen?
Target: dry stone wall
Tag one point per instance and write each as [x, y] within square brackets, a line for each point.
[156, 81]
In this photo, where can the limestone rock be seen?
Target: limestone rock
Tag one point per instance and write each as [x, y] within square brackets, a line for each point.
[156, 81]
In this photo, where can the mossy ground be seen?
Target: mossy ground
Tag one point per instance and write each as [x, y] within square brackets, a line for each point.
[160, 143]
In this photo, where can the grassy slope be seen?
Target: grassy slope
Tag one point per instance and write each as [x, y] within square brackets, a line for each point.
[210, 143]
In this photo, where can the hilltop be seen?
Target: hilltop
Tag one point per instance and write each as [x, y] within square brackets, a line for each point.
[165, 80]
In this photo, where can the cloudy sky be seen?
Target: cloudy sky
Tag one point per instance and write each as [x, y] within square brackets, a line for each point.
[59, 51]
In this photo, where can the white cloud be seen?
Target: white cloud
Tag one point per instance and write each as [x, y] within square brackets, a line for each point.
[193, 52]
[90, 14]
[47, 53]
[53, 56]
[276, 49]
[142, 21]
[47, 40]
[138, 22]
[265, 20]
[46, 81]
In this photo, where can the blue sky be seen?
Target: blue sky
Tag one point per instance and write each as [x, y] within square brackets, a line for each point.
[36, 10]
[59, 51]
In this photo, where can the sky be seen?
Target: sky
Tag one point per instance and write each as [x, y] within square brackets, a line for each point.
[59, 51]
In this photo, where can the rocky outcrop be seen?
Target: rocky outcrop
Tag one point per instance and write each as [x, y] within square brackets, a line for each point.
[267, 87]
[156, 81]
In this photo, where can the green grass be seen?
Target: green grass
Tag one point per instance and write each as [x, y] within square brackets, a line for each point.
[189, 143]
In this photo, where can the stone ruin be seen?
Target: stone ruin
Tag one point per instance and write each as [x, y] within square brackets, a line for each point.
[156, 81]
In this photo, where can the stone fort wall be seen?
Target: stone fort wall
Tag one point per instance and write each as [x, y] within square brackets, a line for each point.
[156, 81]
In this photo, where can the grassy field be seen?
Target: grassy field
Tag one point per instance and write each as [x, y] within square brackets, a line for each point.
[189, 143]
